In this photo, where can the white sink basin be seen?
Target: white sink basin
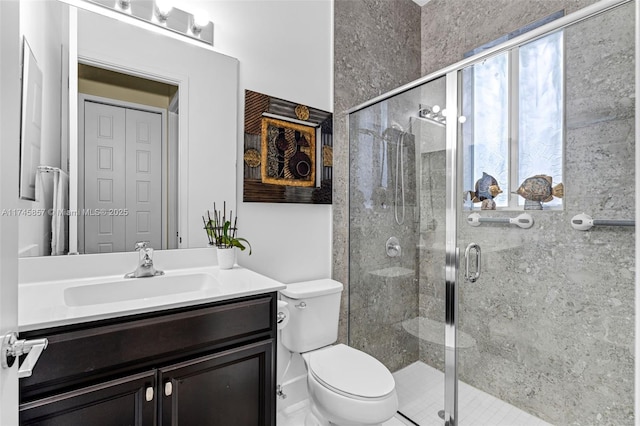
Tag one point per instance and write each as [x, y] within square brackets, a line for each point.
[139, 288]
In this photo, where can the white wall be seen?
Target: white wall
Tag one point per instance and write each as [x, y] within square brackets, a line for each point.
[285, 50]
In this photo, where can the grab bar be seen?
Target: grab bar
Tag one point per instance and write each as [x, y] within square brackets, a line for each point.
[523, 221]
[584, 222]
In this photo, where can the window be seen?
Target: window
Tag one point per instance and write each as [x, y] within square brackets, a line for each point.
[513, 102]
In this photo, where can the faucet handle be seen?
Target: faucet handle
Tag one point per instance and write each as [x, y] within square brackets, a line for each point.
[140, 245]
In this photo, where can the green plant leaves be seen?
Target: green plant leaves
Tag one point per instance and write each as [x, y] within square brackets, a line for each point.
[222, 236]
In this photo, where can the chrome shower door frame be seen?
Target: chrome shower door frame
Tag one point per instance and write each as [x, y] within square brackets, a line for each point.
[452, 253]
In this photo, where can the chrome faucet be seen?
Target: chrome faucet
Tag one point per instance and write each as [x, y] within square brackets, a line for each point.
[145, 262]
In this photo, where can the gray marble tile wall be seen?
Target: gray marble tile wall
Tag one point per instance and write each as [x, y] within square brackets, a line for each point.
[450, 28]
[383, 289]
[376, 48]
[432, 257]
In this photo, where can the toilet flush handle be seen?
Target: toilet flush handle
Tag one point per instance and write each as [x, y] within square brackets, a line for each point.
[301, 305]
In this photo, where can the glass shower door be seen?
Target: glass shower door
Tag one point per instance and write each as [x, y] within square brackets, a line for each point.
[397, 243]
[545, 334]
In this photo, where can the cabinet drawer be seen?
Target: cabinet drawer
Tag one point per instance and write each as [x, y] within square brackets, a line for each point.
[102, 351]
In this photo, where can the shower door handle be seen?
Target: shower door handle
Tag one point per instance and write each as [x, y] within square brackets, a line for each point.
[472, 277]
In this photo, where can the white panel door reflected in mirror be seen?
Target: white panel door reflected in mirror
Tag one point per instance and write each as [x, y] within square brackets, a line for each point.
[125, 179]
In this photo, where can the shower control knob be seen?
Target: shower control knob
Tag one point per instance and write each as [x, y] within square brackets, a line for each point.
[393, 248]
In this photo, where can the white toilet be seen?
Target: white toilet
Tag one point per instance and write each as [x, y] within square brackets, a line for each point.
[347, 387]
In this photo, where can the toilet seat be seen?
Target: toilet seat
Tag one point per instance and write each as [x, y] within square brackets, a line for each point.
[351, 373]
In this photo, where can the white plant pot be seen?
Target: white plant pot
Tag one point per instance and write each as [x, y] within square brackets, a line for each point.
[226, 257]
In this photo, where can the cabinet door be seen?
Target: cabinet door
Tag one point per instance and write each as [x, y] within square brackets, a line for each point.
[126, 401]
[234, 387]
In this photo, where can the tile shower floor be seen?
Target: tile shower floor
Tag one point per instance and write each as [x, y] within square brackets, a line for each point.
[295, 414]
[421, 394]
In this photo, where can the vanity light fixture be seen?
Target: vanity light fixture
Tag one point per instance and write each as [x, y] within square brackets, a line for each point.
[434, 114]
[161, 13]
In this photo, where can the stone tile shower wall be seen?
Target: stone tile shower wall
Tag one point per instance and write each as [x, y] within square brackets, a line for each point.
[383, 289]
[376, 48]
[450, 28]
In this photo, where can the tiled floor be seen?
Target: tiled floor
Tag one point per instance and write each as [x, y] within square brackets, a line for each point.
[294, 416]
[421, 394]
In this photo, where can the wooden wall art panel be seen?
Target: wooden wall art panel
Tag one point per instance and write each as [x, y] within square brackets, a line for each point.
[288, 151]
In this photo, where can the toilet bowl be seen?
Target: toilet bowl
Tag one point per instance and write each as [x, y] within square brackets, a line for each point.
[347, 387]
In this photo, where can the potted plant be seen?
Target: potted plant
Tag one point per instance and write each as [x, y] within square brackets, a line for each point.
[222, 233]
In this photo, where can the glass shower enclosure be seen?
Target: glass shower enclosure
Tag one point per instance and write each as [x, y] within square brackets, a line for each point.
[491, 226]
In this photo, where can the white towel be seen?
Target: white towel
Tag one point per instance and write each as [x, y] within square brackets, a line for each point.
[60, 220]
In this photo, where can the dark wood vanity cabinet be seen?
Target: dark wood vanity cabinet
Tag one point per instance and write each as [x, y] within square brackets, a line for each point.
[220, 389]
[116, 402]
[210, 364]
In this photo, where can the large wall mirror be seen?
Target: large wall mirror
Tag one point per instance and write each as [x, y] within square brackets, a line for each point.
[138, 146]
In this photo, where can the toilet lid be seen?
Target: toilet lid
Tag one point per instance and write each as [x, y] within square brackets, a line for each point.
[351, 371]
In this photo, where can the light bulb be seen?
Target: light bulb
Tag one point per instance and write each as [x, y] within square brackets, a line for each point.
[462, 119]
[444, 112]
[124, 4]
[436, 109]
[163, 8]
[200, 19]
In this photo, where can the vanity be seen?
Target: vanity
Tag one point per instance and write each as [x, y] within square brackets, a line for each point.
[197, 356]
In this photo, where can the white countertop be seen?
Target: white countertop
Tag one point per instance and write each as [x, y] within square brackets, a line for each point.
[42, 304]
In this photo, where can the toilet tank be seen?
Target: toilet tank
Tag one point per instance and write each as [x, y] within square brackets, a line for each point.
[314, 310]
